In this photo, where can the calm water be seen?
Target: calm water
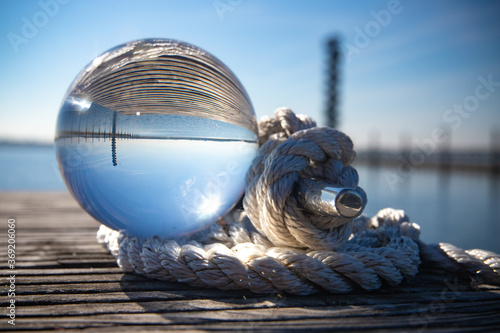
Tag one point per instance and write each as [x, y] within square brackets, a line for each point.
[461, 208]
[29, 168]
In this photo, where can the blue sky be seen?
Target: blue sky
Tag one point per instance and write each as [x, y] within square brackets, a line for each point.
[401, 75]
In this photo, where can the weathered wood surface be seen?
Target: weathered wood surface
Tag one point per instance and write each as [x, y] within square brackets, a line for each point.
[65, 280]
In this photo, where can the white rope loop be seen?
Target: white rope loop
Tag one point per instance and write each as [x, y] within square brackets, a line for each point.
[294, 251]
[298, 150]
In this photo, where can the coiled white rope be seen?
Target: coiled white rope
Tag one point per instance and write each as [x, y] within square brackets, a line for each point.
[276, 245]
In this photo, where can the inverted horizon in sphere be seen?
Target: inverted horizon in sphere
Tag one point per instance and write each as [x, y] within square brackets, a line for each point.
[154, 137]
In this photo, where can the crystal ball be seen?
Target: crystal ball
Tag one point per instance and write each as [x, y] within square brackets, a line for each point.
[154, 137]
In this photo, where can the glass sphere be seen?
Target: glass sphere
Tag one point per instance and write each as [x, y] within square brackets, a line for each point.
[154, 137]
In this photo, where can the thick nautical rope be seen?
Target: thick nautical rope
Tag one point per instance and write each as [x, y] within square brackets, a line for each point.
[276, 245]
[295, 148]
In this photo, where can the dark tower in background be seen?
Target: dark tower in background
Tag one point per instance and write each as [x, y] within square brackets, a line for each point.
[333, 54]
[495, 150]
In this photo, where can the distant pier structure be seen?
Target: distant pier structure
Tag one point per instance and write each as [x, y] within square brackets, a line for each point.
[333, 51]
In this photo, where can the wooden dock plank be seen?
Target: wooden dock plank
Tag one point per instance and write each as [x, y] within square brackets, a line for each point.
[65, 280]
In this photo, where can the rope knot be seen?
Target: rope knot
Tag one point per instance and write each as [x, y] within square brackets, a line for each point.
[284, 124]
[298, 155]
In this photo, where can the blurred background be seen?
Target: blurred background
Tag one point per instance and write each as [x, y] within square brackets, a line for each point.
[415, 84]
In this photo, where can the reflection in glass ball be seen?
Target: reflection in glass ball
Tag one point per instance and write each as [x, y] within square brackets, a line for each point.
[155, 137]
